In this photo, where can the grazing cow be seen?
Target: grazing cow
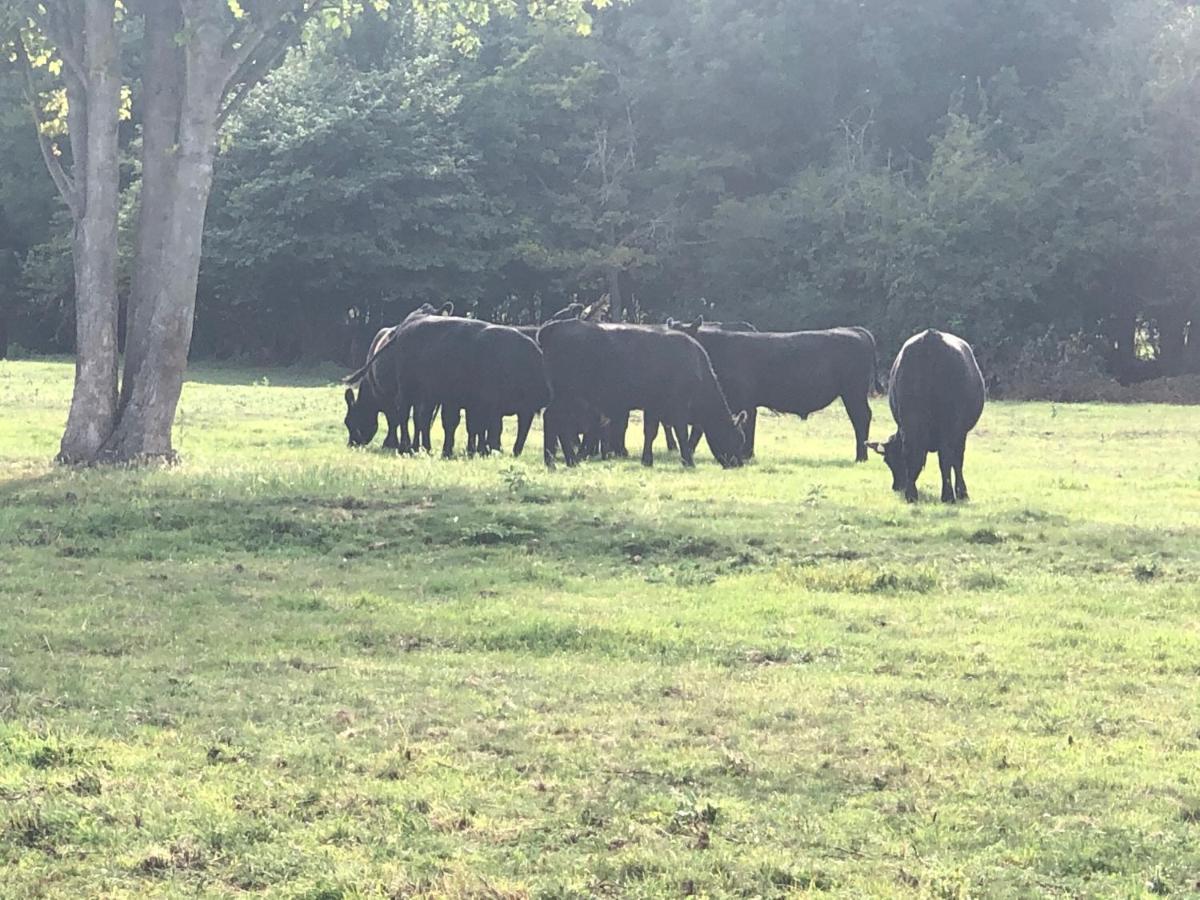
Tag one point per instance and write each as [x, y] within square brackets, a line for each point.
[608, 439]
[693, 328]
[936, 394]
[600, 371]
[513, 383]
[796, 372]
[362, 412]
[456, 363]
[374, 396]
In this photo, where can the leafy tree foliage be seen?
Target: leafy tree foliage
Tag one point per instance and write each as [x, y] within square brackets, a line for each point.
[1003, 170]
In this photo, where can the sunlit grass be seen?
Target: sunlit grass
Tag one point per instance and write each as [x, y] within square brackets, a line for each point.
[292, 668]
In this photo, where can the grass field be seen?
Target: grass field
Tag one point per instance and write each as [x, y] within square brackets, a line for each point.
[291, 668]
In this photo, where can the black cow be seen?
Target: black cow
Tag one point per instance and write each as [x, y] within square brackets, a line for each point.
[456, 363]
[796, 372]
[374, 396]
[600, 371]
[936, 394]
[362, 412]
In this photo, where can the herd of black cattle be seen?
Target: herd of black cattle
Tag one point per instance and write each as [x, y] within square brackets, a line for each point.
[695, 380]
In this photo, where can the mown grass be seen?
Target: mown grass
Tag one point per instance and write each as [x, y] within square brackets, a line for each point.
[291, 668]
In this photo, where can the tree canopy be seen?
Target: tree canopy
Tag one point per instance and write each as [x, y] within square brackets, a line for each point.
[1003, 170]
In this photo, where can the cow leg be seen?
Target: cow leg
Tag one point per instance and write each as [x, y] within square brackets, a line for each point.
[495, 430]
[669, 433]
[914, 463]
[403, 408]
[549, 435]
[478, 430]
[593, 442]
[555, 433]
[566, 437]
[946, 464]
[524, 420]
[392, 441]
[617, 429]
[748, 429]
[859, 410]
[450, 419]
[960, 487]
[685, 448]
[649, 433]
[422, 424]
[472, 433]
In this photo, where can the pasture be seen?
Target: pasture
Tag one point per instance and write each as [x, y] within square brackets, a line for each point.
[289, 668]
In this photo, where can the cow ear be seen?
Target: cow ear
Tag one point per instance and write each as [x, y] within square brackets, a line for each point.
[740, 419]
[876, 446]
[350, 397]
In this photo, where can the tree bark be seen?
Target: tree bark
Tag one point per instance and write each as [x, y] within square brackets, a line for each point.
[164, 331]
[616, 303]
[94, 141]
[192, 59]
[162, 92]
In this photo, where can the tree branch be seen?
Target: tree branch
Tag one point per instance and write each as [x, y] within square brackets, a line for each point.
[54, 22]
[64, 182]
[247, 38]
[263, 61]
[260, 46]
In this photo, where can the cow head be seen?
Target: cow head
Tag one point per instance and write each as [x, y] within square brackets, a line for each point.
[361, 422]
[728, 442]
[892, 451]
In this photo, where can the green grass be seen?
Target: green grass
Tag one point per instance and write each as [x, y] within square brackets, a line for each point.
[291, 668]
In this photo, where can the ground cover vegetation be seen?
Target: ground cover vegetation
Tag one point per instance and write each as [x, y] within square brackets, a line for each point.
[291, 668]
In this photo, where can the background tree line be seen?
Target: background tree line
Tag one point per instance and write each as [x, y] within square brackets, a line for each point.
[1018, 172]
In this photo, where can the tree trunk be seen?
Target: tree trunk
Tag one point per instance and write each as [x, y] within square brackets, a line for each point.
[163, 85]
[94, 143]
[616, 304]
[164, 331]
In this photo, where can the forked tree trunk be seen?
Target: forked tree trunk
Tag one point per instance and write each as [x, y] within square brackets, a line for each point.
[162, 89]
[94, 141]
[168, 264]
[192, 57]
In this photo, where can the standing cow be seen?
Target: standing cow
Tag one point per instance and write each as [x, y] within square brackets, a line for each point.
[375, 394]
[601, 371]
[462, 364]
[936, 395]
[795, 372]
[362, 412]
